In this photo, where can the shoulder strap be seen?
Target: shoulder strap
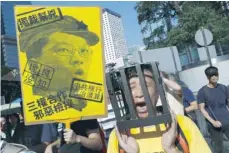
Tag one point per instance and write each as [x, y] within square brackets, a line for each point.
[181, 142]
[121, 150]
[104, 149]
[206, 94]
[224, 89]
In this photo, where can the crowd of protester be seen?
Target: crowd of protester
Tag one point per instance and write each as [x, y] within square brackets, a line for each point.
[87, 137]
[84, 136]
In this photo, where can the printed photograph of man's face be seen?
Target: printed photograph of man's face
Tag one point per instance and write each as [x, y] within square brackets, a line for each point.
[62, 52]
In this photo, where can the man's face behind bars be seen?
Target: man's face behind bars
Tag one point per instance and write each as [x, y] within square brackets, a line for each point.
[138, 95]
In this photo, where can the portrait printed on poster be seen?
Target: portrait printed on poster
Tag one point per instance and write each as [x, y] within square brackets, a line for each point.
[58, 54]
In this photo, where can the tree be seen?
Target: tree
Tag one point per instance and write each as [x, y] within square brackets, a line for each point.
[10, 89]
[193, 18]
[190, 15]
[110, 67]
[156, 12]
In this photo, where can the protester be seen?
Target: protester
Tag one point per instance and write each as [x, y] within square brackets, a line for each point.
[190, 103]
[164, 140]
[5, 128]
[187, 98]
[30, 136]
[213, 102]
[49, 135]
[83, 137]
[14, 120]
[173, 90]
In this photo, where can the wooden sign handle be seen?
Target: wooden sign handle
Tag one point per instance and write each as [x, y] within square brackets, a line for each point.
[67, 125]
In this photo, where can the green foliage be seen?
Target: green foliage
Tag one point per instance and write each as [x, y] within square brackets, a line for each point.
[195, 17]
[191, 17]
[156, 12]
[110, 66]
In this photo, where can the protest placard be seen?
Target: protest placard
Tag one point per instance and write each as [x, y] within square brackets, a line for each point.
[61, 62]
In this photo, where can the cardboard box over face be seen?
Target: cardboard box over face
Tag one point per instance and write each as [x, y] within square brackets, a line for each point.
[61, 62]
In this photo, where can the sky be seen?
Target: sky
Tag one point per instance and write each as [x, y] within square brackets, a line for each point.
[132, 29]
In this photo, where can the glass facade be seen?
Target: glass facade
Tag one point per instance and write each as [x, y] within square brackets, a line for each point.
[9, 53]
[7, 9]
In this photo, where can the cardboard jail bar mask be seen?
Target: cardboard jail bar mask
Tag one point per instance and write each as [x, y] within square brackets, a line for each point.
[122, 100]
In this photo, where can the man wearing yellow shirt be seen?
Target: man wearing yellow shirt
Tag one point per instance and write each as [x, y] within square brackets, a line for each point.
[162, 139]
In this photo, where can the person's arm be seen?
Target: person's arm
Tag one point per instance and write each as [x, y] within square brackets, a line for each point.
[93, 141]
[169, 137]
[215, 123]
[201, 100]
[190, 98]
[205, 113]
[173, 85]
[49, 148]
[193, 106]
[56, 143]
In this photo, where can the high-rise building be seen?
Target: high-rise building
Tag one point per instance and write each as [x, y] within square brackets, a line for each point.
[9, 53]
[113, 31]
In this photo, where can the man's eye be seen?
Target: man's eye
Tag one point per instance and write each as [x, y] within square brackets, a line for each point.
[62, 50]
[84, 50]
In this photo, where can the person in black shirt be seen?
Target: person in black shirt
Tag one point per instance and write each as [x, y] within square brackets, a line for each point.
[83, 137]
[213, 100]
[5, 129]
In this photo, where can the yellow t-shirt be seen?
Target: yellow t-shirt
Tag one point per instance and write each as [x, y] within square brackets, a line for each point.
[194, 138]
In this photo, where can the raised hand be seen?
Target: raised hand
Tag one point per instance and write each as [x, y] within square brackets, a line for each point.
[129, 144]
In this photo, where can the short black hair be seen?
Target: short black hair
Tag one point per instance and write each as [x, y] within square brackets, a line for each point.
[211, 71]
[17, 116]
[132, 72]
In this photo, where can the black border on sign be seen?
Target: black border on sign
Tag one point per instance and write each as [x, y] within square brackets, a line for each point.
[38, 74]
[80, 80]
[60, 18]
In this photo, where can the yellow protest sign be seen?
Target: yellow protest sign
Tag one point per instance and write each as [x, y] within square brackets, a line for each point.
[61, 62]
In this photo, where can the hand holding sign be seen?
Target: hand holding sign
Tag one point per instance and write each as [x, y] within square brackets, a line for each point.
[71, 137]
